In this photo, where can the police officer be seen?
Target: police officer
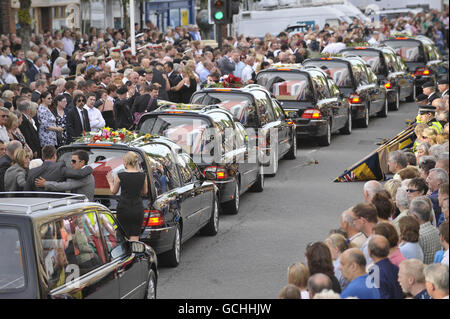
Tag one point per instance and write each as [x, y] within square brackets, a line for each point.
[443, 87]
[427, 115]
[429, 89]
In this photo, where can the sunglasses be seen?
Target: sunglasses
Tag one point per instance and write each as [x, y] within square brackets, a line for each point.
[409, 190]
[82, 101]
[74, 161]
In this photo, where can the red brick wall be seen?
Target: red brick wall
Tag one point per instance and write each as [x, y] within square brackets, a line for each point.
[6, 17]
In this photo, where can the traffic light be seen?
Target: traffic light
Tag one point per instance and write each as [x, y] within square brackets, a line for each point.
[220, 11]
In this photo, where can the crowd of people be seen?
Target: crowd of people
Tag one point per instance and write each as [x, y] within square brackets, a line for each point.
[394, 244]
[68, 83]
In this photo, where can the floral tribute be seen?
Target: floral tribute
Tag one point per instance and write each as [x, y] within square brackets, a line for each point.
[108, 135]
[228, 81]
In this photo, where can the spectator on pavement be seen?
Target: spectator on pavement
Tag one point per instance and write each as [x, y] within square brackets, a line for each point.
[443, 231]
[353, 268]
[317, 283]
[390, 233]
[365, 219]
[397, 160]
[289, 292]
[6, 161]
[356, 238]
[412, 279]
[409, 236]
[436, 280]
[435, 179]
[386, 273]
[298, 275]
[337, 245]
[402, 204]
[384, 205]
[429, 235]
[370, 189]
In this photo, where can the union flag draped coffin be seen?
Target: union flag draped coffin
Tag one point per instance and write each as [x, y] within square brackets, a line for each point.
[374, 166]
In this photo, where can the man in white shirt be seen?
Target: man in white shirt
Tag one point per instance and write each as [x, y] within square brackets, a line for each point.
[96, 119]
[68, 43]
[248, 70]
[4, 114]
[4, 57]
[375, 39]
[334, 46]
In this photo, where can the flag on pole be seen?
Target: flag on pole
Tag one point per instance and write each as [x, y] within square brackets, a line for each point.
[374, 166]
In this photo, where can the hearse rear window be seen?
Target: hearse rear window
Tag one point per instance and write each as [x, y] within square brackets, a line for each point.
[338, 71]
[408, 50]
[12, 274]
[284, 85]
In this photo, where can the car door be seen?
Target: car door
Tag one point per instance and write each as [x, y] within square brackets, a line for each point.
[131, 269]
[280, 115]
[404, 80]
[249, 163]
[88, 271]
[204, 193]
[339, 108]
[378, 93]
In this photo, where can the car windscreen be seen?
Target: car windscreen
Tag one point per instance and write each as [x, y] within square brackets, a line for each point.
[408, 50]
[292, 86]
[190, 132]
[371, 58]
[103, 161]
[238, 104]
[12, 275]
[338, 71]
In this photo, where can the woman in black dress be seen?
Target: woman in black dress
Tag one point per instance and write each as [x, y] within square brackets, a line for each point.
[133, 184]
[187, 86]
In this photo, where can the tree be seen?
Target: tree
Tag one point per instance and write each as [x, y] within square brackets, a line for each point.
[25, 23]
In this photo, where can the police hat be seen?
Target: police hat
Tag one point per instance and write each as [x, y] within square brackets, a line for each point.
[122, 90]
[421, 98]
[428, 84]
[427, 108]
[442, 81]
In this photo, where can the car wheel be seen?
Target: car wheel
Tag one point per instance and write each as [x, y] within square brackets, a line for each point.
[412, 97]
[326, 139]
[172, 257]
[150, 291]
[258, 186]
[385, 110]
[365, 121]
[292, 154]
[347, 129]
[232, 207]
[212, 228]
[396, 106]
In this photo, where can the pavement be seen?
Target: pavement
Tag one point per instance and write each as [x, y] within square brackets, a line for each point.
[249, 257]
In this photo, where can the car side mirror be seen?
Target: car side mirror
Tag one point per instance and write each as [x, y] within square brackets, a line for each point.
[137, 247]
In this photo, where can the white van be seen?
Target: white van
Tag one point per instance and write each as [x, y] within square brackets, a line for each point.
[258, 23]
[389, 4]
[351, 11]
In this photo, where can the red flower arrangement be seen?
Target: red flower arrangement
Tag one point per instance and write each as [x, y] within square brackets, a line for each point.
[231, 81]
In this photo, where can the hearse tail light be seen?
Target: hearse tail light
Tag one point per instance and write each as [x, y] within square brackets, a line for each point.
[96, 144]
[401, 38]
[220, 172]
[422, 71]
[222, 90]
[153, 218]
[313, 114]
[360, 48]
[354, 99]
[388, 85]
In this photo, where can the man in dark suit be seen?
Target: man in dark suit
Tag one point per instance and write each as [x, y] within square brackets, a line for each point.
[53, 171]
[69, 88]
[225, 64]
[429, 89]
[77, 119]
[6, 161]
[160, 78]
[28, 130]
[33, 69]
[124, 117]
[147, 102]
[174, 79]
[41, 87]
[59, 46]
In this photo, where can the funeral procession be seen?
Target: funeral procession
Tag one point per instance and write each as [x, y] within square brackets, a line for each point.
[222, 155]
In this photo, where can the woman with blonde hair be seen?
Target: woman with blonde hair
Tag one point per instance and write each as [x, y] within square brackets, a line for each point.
[298, 275]
[187, 86]
[133, 185]
[15, 176]
[391, 186]
[429, 136]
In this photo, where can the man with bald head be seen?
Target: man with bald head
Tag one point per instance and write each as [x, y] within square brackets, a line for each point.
[317, 283]
[412, 279]
[384, 271]
[346, 223]
[370, 189]
[353, 268]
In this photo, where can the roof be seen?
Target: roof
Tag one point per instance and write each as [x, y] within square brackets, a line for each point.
[29, 203]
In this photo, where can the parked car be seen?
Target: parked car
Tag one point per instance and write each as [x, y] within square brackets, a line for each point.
[390, 70]
[358, 83]
[180, 201]
[310, 99]
[421, 57]
[61, 246]
[263, 120]
[218, 144]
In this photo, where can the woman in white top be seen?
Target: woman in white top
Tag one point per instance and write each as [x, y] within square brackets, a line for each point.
[409, 236]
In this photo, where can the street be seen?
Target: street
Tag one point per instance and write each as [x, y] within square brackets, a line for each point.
[250, 255]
